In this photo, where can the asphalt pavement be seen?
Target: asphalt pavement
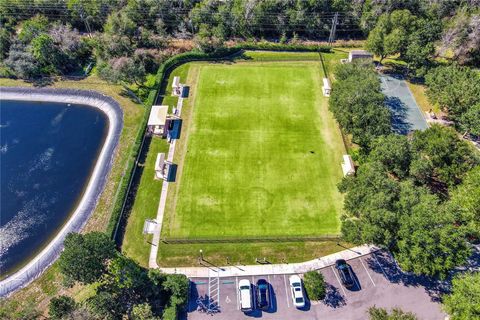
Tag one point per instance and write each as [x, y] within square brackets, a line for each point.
[378, 281]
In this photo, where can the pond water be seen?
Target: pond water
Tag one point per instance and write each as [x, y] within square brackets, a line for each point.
[47, 152]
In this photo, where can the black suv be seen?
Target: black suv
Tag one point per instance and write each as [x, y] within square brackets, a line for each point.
[263, 294]
[346, 274]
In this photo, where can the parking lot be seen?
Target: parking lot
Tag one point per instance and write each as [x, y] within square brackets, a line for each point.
[379, 282]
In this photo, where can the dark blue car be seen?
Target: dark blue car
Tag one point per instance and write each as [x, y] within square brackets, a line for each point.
[345, 272]
[263, 294]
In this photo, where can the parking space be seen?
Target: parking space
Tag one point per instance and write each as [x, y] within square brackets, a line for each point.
[378, 281]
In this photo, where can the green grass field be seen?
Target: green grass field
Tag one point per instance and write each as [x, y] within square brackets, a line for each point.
[263, 155]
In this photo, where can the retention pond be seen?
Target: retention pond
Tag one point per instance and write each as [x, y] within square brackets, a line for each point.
[56, 150]
[47, 153]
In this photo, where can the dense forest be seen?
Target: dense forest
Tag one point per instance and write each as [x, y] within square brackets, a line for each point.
[128, 39]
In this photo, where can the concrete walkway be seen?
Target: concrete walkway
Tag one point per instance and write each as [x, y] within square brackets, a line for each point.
[152, 261]
[208, 270]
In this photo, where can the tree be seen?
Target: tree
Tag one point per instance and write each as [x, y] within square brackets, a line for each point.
[396, 314]
[429, 241]
[466, 200]
[370, 198]
[391, 33]
[440, 159]
[358, 105]
[106, 305]
[22, 62]
[375, 41]
[142, 312]
[85, 257]
[462, 37]
[61, 306]
[118, 23]
[123, 69]
[455, 89]
[32, 28]
[393, 151]
[177, 286]
[463, 303]
[314, 285]
[208, 40]
[421, 45]
[5, 42]
[470, 120]
[47, 53]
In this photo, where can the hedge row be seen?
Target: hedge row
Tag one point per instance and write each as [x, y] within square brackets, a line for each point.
[282, 47]
[162, 76]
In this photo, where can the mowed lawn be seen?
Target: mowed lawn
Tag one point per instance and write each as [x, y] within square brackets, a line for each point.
[263, 155]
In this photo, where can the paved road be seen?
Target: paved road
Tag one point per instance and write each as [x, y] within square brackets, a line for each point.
[379, 282]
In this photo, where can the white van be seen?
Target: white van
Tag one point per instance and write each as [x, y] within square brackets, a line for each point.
[245, 293]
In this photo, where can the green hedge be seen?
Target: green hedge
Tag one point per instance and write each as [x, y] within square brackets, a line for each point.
[170, 313]
[282, 47]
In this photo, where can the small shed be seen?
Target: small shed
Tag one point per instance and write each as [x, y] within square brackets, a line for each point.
[161, 167]
[176, 87]
[359, 54]
[157, 119]
[348, 167]
[327, 88]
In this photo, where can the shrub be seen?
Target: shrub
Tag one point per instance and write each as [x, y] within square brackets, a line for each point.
[314, 285]
[61, 306]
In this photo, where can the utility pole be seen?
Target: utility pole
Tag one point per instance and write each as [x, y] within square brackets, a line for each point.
[85, 21]
[333, 30]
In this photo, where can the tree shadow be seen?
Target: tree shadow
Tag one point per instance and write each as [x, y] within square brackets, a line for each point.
[383, 263]
[333, 297]
[193, 297]
[399, 111]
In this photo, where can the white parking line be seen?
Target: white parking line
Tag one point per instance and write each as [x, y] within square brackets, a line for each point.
[287, 296]
[340, 283]
[236, 293]
[368, 273]
[383, 271]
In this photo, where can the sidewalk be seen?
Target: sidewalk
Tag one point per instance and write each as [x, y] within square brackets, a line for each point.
[265, 269]
[152, 261]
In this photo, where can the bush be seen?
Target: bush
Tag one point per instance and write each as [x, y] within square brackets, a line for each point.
[281, 47]
[314, 285]
[61, 306]
[170, 313]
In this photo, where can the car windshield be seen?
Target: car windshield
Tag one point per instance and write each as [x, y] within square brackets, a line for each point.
[262, 287]
[296, 284]
[244, 288]
[298, 300]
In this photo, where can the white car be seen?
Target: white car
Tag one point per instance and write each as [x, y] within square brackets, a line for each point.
[297, 291]
[245, 293]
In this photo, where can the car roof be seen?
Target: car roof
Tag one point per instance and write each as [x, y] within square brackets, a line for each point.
[294, 278]
[243, 282]
[298, 293]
